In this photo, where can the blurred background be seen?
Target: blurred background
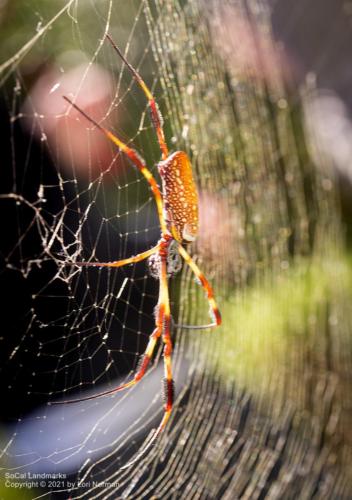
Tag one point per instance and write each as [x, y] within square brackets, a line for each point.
[258, 94]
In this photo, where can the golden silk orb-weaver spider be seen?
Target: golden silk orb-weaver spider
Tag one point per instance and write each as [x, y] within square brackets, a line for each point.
[177, 207]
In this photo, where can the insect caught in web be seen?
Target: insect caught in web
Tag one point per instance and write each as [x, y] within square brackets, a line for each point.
[177, 207]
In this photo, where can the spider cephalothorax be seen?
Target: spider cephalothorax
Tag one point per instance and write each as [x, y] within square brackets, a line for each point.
[173, 261]
[177, 207]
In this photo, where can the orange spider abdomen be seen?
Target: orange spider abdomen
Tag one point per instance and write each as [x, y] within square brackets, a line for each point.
[180, 197]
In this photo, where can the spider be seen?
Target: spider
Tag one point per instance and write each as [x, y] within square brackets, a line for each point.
[177, 207]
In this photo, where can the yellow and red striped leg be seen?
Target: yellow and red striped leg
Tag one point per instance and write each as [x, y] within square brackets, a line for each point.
[147, 356]
[157, 119]
[160, 324]
[164, 307]
[168, 380]
[205, 284]
[119, 263]
[135, 158]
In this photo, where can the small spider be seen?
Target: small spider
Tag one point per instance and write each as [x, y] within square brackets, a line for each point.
[177, 206]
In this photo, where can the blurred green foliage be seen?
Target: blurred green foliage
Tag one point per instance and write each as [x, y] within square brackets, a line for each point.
[272, 321]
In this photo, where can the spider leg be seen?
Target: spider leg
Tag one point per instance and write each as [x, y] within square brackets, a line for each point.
[169, 383]
[157, 119]
[135, 158]
[118, 263]
[194, 327]
[164, 310]
[205, 284]
[138, 376]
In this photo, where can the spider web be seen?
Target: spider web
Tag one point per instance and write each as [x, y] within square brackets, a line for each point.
[248, 417]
